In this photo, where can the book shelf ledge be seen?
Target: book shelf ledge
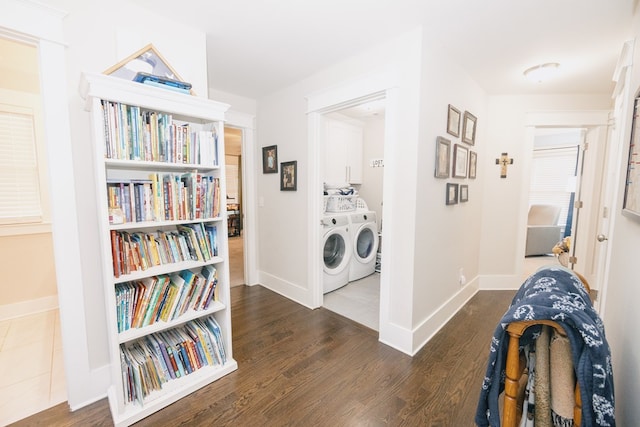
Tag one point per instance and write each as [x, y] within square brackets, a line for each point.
[157, 166]
[165, 269]
[135, 333]
[172, 391]
[156, 224]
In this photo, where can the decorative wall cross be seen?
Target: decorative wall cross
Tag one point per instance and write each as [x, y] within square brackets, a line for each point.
[503, 161]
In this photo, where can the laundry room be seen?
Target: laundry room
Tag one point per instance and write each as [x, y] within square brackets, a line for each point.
[353, 179]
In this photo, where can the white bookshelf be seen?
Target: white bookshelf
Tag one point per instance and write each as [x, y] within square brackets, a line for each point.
[199, 114]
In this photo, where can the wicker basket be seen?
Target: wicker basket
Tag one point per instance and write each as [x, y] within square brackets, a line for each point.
[339, 203]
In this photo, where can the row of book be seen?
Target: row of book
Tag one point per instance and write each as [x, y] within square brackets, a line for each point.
[152, 361]
[164, 197]
[132, 133]
[138, 251]
[164, 297]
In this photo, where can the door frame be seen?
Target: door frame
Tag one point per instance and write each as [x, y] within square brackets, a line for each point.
[596, 122]
[246, 123]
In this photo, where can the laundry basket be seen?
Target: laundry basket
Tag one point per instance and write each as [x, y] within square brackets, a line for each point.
[340, 203]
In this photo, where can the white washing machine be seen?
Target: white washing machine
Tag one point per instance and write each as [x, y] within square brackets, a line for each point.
[336, 251]
[364, 240]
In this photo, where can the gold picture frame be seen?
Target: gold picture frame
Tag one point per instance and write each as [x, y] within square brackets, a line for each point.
[147, 60]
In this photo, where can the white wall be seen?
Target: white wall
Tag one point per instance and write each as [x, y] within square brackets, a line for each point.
[373, 178]
[621, 314]
[446, 237]
[505, 199]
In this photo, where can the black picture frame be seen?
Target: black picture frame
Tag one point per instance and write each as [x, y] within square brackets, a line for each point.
[452, 194]
[453, 121]
[443, 158]
[270, 159]
[464, 193]
[460, 161]
[473, 164]
[469, 123]
[289, 176]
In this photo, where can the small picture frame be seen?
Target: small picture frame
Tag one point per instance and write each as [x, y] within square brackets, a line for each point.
[289, 176]
[464, 193]
[469, 128]
[443, 158]
[473, 164]
[452, 194]
[270, 159]
[453, 121]
[460, 161]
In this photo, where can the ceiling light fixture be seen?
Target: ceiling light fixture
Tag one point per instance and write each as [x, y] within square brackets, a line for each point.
[542, 72]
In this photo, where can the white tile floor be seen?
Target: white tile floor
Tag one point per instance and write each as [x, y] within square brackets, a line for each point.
[358, 301]
[31, 366]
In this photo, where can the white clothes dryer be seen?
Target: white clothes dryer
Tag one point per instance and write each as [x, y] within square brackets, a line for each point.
[364, 240]
[336, 251]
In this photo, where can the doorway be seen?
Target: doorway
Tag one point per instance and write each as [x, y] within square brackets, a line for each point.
[589, 209]
[555, 169]
[359, 298]
[30, 339]
[233, 143]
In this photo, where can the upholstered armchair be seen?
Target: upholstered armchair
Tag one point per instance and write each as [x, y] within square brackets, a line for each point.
[542, 229]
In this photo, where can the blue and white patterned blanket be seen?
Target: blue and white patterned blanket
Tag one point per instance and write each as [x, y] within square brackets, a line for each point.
[555, 293]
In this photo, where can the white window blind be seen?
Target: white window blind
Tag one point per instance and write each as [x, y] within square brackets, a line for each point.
[19, 180]
[552, 169]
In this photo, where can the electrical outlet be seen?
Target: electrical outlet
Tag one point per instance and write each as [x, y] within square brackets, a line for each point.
[461, 279]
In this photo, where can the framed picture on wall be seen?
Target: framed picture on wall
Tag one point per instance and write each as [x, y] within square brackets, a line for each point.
[443, 157]
[452, 194]
[270, 159]
[453, 121]
[631, 202]
[473, 164]
[289, 176]
[464, 193]
[469, 128]
[460, 161]
[146, 63]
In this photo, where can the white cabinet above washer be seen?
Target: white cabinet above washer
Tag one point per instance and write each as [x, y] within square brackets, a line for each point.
[343, 155]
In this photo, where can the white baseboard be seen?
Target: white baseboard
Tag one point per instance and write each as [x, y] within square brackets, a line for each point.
[396, 337]
[93, 388]
[287, 289]
[431, 325]
[26, 308]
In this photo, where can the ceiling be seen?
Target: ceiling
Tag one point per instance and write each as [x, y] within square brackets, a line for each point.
[256, 47]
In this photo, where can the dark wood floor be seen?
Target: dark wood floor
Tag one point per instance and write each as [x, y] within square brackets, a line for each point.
[301, 367]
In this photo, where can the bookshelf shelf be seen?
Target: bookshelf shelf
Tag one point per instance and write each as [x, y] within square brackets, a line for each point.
[159, 224]
[159, 163]
[157, 166]
[166, 269]
[133, 334]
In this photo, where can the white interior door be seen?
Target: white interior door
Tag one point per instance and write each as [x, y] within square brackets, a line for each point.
[590, 205]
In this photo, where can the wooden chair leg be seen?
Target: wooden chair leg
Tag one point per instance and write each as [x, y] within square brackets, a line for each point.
[577, 409]
[513, 373]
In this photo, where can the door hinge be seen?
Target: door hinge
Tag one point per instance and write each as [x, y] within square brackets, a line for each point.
[578, 204]
[573, 260]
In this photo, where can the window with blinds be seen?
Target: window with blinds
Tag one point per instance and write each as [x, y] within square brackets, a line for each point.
[553, 172]
[20, 201]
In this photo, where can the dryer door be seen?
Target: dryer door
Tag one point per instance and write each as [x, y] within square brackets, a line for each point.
[336, 251]
[365, 243]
